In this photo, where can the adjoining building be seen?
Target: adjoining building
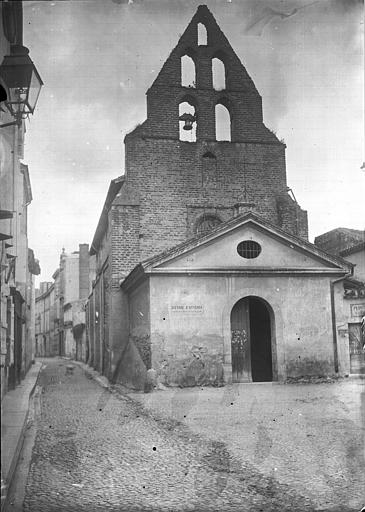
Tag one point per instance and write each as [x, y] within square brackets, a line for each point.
[203, 269]
[61, 307]
[339, 240]
[76, 273]
[18, 268]
[350, 297]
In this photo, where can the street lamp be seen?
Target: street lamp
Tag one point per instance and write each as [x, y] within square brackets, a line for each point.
[23, 83]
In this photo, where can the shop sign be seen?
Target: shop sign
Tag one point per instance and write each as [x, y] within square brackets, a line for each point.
[358, 309]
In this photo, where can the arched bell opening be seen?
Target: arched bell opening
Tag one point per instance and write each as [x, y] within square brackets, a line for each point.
[187, 119]
[218, 74]
[188, 70]
[202, 34]
[223, 130]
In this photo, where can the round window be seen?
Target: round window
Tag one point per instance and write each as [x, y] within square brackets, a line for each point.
[248, 249]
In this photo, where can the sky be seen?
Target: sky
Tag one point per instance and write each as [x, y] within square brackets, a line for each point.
[97, 59]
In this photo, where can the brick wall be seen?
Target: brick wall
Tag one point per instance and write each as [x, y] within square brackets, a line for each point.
[99, 307]
[125, 238]
[241, 94]
[168, 177]
[173, 194]
[291, 217]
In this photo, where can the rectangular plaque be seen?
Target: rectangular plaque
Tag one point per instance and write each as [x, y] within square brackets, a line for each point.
[195, 309]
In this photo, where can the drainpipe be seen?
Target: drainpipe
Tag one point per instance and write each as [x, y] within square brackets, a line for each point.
[333, 315]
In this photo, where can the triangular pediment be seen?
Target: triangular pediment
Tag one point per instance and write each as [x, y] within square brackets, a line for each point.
[218, 251]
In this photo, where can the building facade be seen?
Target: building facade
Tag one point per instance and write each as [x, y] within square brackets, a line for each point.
[177, 187]
[233, 306]
[18, 268]
[45, 336]
[350, 296]
[18, 264]
[58, 347]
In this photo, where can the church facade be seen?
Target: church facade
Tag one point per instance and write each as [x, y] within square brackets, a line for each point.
[204, 271]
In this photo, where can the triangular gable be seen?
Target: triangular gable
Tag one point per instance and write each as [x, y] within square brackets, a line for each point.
[218, 251]
[216, 39]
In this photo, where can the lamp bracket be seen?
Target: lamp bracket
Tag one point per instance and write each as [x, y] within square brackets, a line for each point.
[13, 123]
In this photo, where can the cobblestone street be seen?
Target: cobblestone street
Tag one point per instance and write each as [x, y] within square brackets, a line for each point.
[97, 450]
[310, 436]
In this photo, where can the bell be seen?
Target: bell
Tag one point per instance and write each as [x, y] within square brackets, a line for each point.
[189, 119]
[188, 124]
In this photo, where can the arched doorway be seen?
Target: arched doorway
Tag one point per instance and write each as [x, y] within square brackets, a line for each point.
[251, 341]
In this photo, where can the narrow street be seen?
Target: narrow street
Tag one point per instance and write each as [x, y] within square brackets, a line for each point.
[97, 450]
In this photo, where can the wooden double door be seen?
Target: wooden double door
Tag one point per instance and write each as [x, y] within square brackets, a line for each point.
[251, 341]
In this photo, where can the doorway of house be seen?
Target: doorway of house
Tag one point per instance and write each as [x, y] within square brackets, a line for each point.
[357, 353]
[251, 341]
